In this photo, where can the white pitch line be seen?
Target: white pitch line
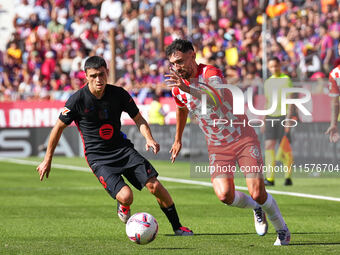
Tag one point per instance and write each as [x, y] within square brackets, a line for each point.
[170, 179]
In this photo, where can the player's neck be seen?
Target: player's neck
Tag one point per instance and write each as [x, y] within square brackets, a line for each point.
[277, 75]
[195, 72]
[97, 94]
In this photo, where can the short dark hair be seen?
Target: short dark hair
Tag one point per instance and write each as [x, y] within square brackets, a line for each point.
[179, 45]
[276, 59]
[94, 62]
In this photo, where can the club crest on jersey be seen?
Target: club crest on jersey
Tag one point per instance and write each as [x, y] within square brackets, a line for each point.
[254, 152]
[65, 111]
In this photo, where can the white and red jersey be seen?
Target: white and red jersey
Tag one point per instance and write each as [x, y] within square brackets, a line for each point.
[216, 134]
[334, 82]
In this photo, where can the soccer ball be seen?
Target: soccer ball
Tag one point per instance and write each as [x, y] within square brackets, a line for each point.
[142, 228]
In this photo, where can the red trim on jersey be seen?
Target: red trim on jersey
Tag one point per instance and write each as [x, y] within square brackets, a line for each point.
[334, 82]
[82, 138]
[175, 92]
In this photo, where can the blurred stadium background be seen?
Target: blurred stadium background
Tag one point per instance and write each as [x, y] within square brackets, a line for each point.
[45, 43]
[43, 46]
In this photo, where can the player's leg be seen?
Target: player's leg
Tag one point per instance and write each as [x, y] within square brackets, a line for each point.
[167, 205]
[114, 184]
[257, 191]
[125, 196]
[285, 155]
[224, 188]
[157, 189]
[268, 204]
[270, 161]
[124, 200]
[222, 179]
[250, 163]
[145, 175]
[274, 215]
[271, 135]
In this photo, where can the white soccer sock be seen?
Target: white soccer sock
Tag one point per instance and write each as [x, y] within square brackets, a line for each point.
[273, 213]
[242, 200]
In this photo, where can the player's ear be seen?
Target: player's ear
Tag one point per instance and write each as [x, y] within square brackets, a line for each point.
[193, 55]
[86, 75]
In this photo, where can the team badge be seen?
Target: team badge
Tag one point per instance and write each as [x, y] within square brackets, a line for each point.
[65, 111]
[254, 152]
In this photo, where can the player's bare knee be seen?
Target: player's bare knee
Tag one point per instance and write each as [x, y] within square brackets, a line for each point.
[258, 195]
[125, 200]
[226, 197]
[153, 185]
[125, 196]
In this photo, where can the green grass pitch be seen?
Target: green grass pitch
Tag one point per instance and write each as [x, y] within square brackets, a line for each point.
[70, 213]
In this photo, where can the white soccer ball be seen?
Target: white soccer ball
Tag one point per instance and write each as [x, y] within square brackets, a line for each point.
[142, 228]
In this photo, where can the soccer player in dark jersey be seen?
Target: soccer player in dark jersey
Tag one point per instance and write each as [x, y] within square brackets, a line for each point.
[96, 110]
[227, 144]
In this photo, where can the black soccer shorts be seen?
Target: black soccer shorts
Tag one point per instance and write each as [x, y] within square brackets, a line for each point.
[134, 167]
[274, 129]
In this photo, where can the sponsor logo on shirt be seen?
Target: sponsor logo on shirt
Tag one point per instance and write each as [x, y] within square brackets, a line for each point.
[106, 131]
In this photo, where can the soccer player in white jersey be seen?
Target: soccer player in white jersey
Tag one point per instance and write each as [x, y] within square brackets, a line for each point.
[334, 92]
[227, 145]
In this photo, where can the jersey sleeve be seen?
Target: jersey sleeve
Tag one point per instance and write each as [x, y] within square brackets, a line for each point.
[175, 92]
[333, 87]
[69, 112]
[213, 76]
[129, 104]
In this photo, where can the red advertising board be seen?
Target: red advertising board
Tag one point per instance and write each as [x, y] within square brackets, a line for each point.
[26, 114]
[23, 114]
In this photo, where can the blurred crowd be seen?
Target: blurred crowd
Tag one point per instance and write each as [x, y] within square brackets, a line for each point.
[52, 39]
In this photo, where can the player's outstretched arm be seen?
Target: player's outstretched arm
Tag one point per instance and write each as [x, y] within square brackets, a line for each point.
[175, 80]
[45, 167]
[333, 131]
[146, 132]
[181, 117]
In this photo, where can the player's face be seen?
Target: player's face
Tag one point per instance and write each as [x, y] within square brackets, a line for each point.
[183, 63]
[274, 67]
[97, 79]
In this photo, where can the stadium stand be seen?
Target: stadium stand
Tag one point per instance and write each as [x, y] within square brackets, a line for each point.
[43, 57]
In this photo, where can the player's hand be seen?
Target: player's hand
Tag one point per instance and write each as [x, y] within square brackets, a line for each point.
[175, 149]
[44, 169]
[333, 133]
[153, 145]
[175, 80]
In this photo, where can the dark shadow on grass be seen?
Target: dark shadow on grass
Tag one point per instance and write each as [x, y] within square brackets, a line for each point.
[217, 234]
[312, 243]
[313, 233]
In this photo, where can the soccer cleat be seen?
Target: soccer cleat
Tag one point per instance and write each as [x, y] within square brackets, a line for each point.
[269, 183]
[288, 182]
[183, 231]
[283, 237]
[261, 224]
[123, 212]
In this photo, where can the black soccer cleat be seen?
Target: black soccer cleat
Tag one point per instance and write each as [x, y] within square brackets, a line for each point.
[288, 182]
[183, 231]
[269, 183]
